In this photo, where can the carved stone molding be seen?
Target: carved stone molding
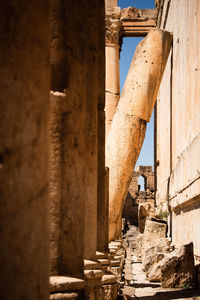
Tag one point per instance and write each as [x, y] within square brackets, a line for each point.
[137, 22]
[140, 15]
[158, 3]
[113, 25]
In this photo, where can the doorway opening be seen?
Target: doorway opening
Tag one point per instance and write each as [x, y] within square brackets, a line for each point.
[142, 183]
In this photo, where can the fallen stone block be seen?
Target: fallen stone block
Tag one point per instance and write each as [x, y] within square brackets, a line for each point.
[150, 261]
[154, 231]
[154, 254]
[178, 269]
[154, 273]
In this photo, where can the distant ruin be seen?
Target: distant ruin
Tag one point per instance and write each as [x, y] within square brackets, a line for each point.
[140, 204]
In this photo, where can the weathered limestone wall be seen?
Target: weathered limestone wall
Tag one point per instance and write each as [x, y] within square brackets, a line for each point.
[178, 111]
[24, 101]
[184, 229]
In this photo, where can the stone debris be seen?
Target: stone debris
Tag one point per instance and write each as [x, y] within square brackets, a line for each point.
[174, 269]
[154, 254]
[155, 230]
[177, 269]
[170, 272]
[150, 261]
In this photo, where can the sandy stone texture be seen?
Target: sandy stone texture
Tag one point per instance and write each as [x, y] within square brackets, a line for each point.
[24, 103]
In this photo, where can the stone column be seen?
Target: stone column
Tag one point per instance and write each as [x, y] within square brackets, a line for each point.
[91, 133]
[102, 207]
[24, 102]
[113, 25]
[129, 124]
[66, 166]
[73, 135]
[76, 97]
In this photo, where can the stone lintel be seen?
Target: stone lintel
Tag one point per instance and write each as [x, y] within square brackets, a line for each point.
[128, 22]
[137, 22]
[135, 14]
[144, 169]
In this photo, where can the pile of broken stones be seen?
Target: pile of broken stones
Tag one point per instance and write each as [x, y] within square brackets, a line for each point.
[161, 261]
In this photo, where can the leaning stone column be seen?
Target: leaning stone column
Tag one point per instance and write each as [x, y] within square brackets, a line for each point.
[24, 103]
[113, 25]
[129, 124]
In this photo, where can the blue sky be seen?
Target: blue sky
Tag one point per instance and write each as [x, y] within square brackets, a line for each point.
[128, 49]
[137, 3]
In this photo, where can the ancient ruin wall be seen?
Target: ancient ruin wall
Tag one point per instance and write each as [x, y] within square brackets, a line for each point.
[178, 115]
[140, 204]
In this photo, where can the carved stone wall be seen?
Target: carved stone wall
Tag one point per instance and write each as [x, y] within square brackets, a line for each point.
[178, 115]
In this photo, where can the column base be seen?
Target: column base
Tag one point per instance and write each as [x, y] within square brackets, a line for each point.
[110, 286]
[104, 259]
[93, 276]
[117, 257]
[112, 266]
[63, 287]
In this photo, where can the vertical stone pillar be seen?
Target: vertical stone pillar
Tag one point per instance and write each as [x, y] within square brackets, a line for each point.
[24, 100]
[76, 95]
[102, 205]
[113, 25]
[91, 132]
[68, 137]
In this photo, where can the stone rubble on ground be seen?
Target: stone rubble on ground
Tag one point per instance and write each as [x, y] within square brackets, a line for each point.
[163, 271]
